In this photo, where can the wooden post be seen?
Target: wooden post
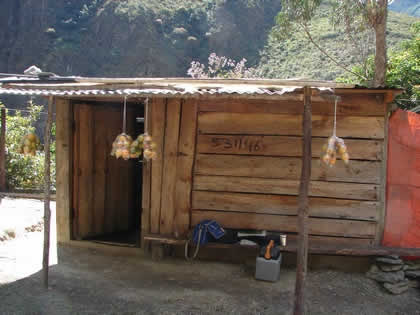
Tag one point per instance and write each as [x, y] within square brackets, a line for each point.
[47, 188]
[3, 150]
[303, 205]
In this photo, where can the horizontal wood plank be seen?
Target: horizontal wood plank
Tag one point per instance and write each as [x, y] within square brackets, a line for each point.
[359, 105]
[283, 146]
[285, 205]
[286, 187]
[285, 168]
[279, 124]
[317, 226]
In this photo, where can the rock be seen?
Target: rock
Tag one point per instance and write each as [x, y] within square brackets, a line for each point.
[413, 274]
[382, 276]
[395, 257]
[397, 288]
[414, 283]
[389, 261]
[412, 264]
[389, 268]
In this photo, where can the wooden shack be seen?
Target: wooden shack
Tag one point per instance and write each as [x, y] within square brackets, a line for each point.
[228, 150]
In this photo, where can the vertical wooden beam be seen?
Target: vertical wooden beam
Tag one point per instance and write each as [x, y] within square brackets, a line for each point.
[184, 178]
[147, 177]
[64, 141]
[303, 206]
[173, 115]
[3, 150]
[47, 192]
[158, 135]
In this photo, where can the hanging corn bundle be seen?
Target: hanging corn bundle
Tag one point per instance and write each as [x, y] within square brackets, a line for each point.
[335, 146]
[30, 144]
[143, 144]
[149, 148]
[121, 144]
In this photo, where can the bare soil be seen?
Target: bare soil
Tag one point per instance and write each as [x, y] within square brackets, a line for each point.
[87, 281]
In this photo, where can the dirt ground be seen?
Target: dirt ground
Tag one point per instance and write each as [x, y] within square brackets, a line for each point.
[87, 281]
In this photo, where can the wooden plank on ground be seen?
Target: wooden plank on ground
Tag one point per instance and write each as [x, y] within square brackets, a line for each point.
[282, 146]
[286, 187]
[357, 105]
[187, 139]
[285, 205]
[86, 171]
[317, 226]
[158, 132]
[285, 168]
[289, 125]
[167, 213]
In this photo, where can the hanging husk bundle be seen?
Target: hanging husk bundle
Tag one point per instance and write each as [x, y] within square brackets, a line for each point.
[121, 146]
[30, 144]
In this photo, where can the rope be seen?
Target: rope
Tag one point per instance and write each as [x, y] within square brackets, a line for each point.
[125, 114]
[335, 117]
[146, 118]
[196, 248]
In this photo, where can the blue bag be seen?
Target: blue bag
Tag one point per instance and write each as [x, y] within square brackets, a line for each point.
[204, 230]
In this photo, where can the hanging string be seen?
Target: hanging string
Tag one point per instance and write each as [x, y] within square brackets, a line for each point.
[335, 117]
[125, 114]
[146, 110]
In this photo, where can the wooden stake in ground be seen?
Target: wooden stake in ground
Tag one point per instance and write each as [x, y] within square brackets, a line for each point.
[3, 150]
[47, 188]
[303, 206]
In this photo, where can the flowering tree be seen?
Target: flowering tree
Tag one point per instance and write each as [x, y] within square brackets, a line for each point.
[221, 67]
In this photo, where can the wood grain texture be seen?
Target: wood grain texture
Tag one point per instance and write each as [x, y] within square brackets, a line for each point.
[146, 183]
[356, 105]
[354, 191]
[158, 132]
[317, 226]
[85, 221]
[291, 125]
[64, 134]
[186, 149]
[282, 146]
[170, 156]
[285, 168]
[285, 205]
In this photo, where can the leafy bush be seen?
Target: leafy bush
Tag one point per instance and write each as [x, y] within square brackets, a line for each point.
[25, 172]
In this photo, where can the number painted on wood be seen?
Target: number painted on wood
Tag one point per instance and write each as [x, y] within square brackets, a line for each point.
[250, 144]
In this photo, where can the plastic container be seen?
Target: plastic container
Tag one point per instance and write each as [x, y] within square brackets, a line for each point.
[268, 270]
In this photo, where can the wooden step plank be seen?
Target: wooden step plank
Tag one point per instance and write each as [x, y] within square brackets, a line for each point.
[286, 187]
[356, 105]
[285, 168]
[317, 226]
[285, 205]
[289, 125]
[282, 146]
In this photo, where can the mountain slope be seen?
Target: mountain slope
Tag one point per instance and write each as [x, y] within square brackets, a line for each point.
[297, 57]
[411, 7]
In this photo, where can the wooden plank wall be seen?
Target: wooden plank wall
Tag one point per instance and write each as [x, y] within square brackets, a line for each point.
[174, 132]
[248, 164]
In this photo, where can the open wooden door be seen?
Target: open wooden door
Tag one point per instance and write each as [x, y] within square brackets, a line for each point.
[106, 191]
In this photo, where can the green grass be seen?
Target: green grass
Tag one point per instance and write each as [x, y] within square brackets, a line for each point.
[296, 57]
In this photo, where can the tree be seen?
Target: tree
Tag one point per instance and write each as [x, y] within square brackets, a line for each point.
[297, 14]
[403, 70]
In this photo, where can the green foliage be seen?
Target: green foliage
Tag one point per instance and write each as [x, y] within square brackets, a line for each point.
[296, 57]
[403, 70]
[25, 172]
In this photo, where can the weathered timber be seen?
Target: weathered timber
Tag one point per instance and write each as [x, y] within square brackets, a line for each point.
[303, 206]
[186, 152]
[170, 154]
[3, 150]
[354, 191]
[147, 178]
[47, 191]
[282, 146]
[353, 105]
[317, 226]
[158, 132]
[85, 134]
[291, 125]
[285, 205]
[64, 134]
[286, 168]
